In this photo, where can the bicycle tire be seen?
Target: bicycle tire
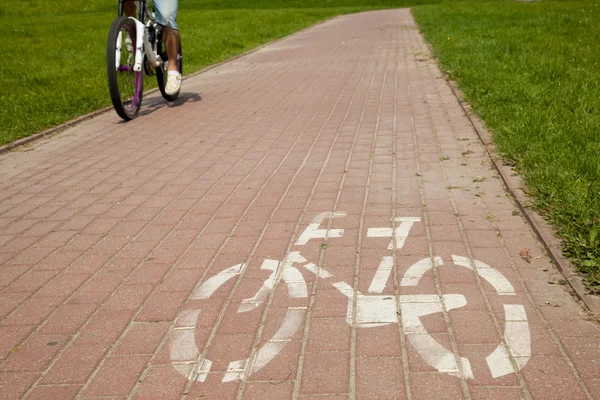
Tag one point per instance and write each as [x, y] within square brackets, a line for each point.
[125, 85]
[161, 71]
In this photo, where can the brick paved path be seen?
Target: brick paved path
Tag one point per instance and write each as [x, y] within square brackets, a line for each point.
[307, 227]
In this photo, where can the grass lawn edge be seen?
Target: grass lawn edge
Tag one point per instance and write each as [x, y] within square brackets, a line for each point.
[514, 184]
[545, 232]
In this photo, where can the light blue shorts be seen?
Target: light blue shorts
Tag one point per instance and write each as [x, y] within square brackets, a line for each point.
[166, 12]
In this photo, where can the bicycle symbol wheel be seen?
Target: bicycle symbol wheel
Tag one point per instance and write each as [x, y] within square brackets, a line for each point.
[187, 359]
[516, 344]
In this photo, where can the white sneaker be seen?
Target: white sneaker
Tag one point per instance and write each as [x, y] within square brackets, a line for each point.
[128, 44]
[173, 83]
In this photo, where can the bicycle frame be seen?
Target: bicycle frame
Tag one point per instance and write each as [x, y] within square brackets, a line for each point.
[142, 33]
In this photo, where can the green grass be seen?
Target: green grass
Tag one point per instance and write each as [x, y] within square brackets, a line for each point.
[531, 71]
[53, 67]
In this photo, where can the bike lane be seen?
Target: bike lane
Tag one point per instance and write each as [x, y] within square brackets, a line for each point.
[315, 219]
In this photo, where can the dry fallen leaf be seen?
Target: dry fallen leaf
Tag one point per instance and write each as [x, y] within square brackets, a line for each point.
[526, 255]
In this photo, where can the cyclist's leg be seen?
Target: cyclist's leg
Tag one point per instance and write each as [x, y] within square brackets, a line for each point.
[166, 15]
[129, 8]
[172, 44]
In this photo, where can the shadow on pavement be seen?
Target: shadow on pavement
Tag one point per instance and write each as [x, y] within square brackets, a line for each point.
[154, 104]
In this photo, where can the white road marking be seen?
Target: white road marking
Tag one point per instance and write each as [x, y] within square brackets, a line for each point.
[206, 290]
[320, 272]
[416, 306]
[399, 234]
[518, 338]
[295, 283]
[382, 275]
[235, 371]
[254, 302]
[373, 310]
[204, 370]
[416, 271]
[270, 350]
[492, 276]
[345, 289]
[312, 231]
[184, 352]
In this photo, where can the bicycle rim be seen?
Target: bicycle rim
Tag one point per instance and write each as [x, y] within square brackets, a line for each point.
[125, 84]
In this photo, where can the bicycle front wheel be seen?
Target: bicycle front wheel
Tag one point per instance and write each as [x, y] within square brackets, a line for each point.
[126, 86]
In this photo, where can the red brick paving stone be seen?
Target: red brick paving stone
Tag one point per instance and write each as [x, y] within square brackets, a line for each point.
[378, 342]
[68, 319]
[100, 226]
[475, 300]
[19, 244]
[31, 281]
[8, 273]
[64, 284]
[233, 322]
[477, 354]
[463, 322]
[36, 353]
[428, 386]
[14, 385]
[283, 367]
[12, 336]
[56, 239]
[54, 392]
[549, 378]
[380, 378]
[34, 311]
[577, 328]
[105, 327]
[76, 364]
[585, 353]
[117, 376]
[128, 297]
[137, 250]
[99, 288]
[163, 355]
[82, 242]
[162, 383]
[11, 301]
[496, 393]
[212, 388]
[59, 260]
[269, 390]
[225, 348]
[416, 362]
[483, 239]
[142, 338]
[326, 372]
[181, 280]
[330, 303]
[321, 338]
[32, 255]
[162, 306]
[449, 273]
[149, 273]
[4, 257]
[594, 388]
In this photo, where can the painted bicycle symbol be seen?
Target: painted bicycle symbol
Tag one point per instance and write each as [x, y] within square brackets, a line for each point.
[365, 310]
